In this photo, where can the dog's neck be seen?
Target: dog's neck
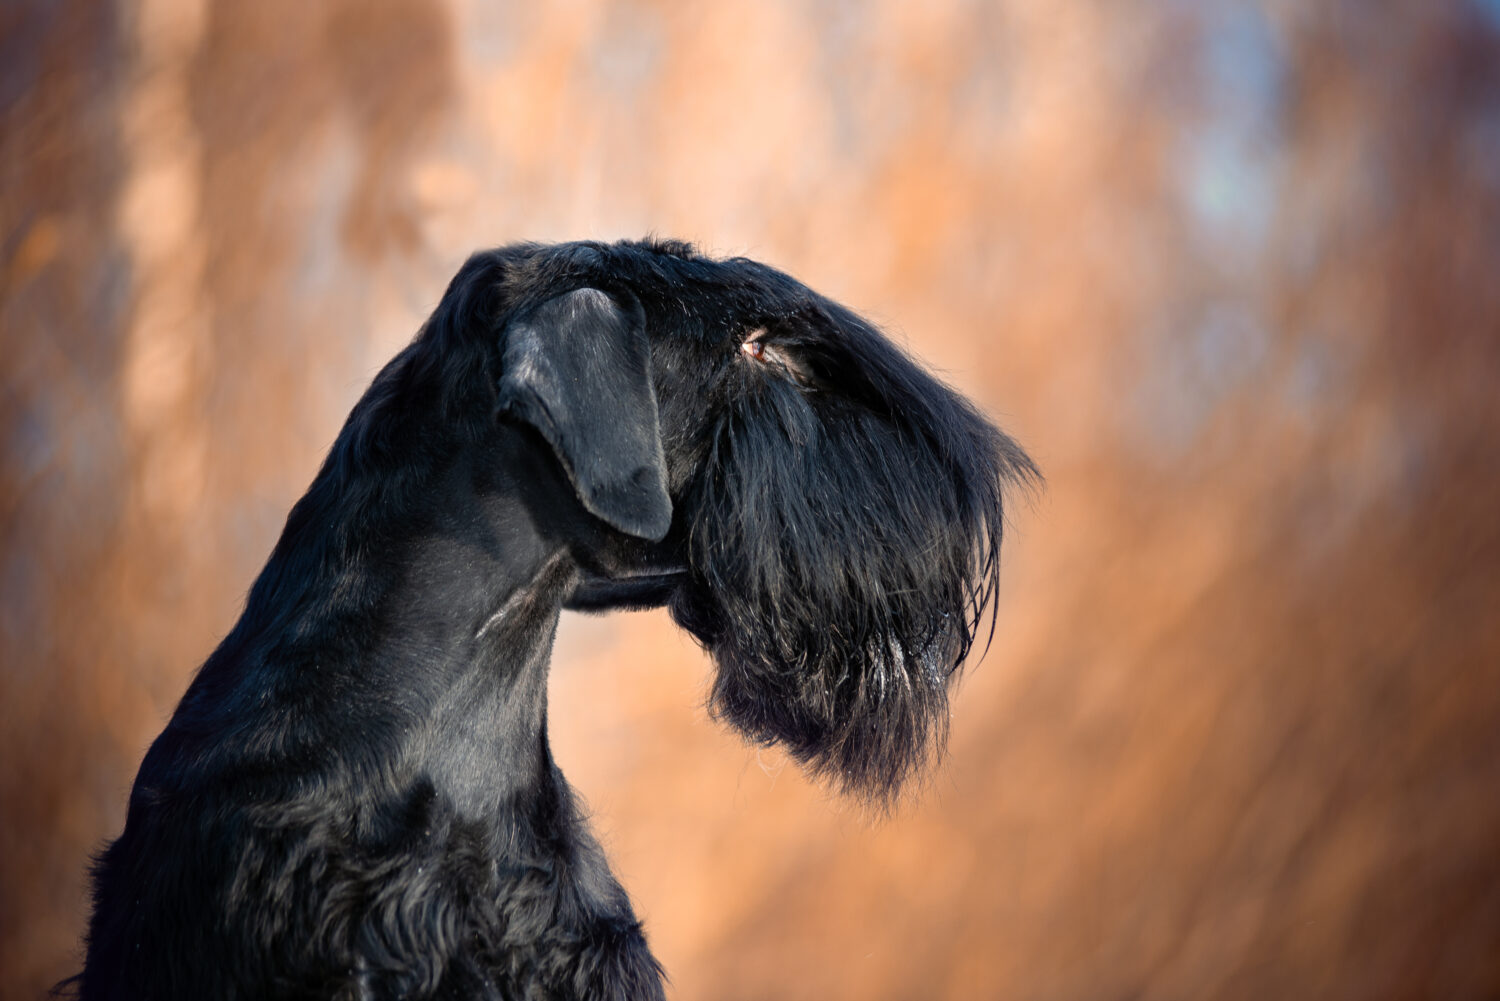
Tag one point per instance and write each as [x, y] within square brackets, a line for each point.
[487, 732]
[439, 643]
[383, 698]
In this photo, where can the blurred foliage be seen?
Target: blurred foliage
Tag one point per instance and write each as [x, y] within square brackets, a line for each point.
[1228, 269]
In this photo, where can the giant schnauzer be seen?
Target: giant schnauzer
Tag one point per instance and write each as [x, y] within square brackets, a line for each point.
[355, 797]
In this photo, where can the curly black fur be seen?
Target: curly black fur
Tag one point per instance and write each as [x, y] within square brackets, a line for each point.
[355, 797]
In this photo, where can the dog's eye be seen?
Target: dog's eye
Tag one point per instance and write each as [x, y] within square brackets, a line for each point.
[754, 346]
[772, 355]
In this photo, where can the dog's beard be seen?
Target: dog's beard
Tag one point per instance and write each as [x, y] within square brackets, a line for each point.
[841, 565]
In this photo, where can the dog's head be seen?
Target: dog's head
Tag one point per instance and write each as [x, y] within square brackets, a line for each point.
[823, 515]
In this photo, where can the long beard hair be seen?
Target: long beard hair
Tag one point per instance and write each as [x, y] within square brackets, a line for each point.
[844, 559]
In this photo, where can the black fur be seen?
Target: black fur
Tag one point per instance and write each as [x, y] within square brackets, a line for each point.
[355, 797]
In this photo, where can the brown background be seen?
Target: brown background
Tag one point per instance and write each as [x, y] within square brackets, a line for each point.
[1230, 271]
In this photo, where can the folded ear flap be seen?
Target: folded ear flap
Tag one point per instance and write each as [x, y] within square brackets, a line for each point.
[578, 369]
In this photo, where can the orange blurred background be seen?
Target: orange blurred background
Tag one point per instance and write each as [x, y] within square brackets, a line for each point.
[1230, 271]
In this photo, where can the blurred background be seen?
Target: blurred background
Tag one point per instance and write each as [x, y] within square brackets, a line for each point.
[1231, 271]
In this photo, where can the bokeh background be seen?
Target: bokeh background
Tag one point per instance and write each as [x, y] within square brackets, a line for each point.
[1231, 271]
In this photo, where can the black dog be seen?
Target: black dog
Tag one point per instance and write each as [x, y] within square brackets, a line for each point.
[355, 797]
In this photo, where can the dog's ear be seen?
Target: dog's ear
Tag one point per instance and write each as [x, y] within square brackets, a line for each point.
[578, 369]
